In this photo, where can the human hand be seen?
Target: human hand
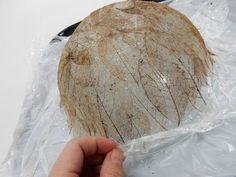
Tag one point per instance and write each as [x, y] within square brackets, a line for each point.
[89, 157]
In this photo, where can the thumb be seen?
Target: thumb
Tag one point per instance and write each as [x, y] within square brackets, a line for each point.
[113, 164]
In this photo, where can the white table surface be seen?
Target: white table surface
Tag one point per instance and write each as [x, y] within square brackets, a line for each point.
[22, 23]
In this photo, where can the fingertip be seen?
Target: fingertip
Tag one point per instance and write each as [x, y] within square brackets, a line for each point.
[113, 164]
[117, 156]
[92, 145]
[105, 145]
[111, 141]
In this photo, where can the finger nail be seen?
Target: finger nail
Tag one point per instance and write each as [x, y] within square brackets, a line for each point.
[117, 156]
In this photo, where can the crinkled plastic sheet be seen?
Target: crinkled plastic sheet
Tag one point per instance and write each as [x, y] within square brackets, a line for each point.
[203, 146]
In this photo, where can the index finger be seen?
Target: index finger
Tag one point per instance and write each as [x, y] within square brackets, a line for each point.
[94, 145]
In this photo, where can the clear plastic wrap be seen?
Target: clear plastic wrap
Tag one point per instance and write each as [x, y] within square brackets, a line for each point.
[205, 146]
